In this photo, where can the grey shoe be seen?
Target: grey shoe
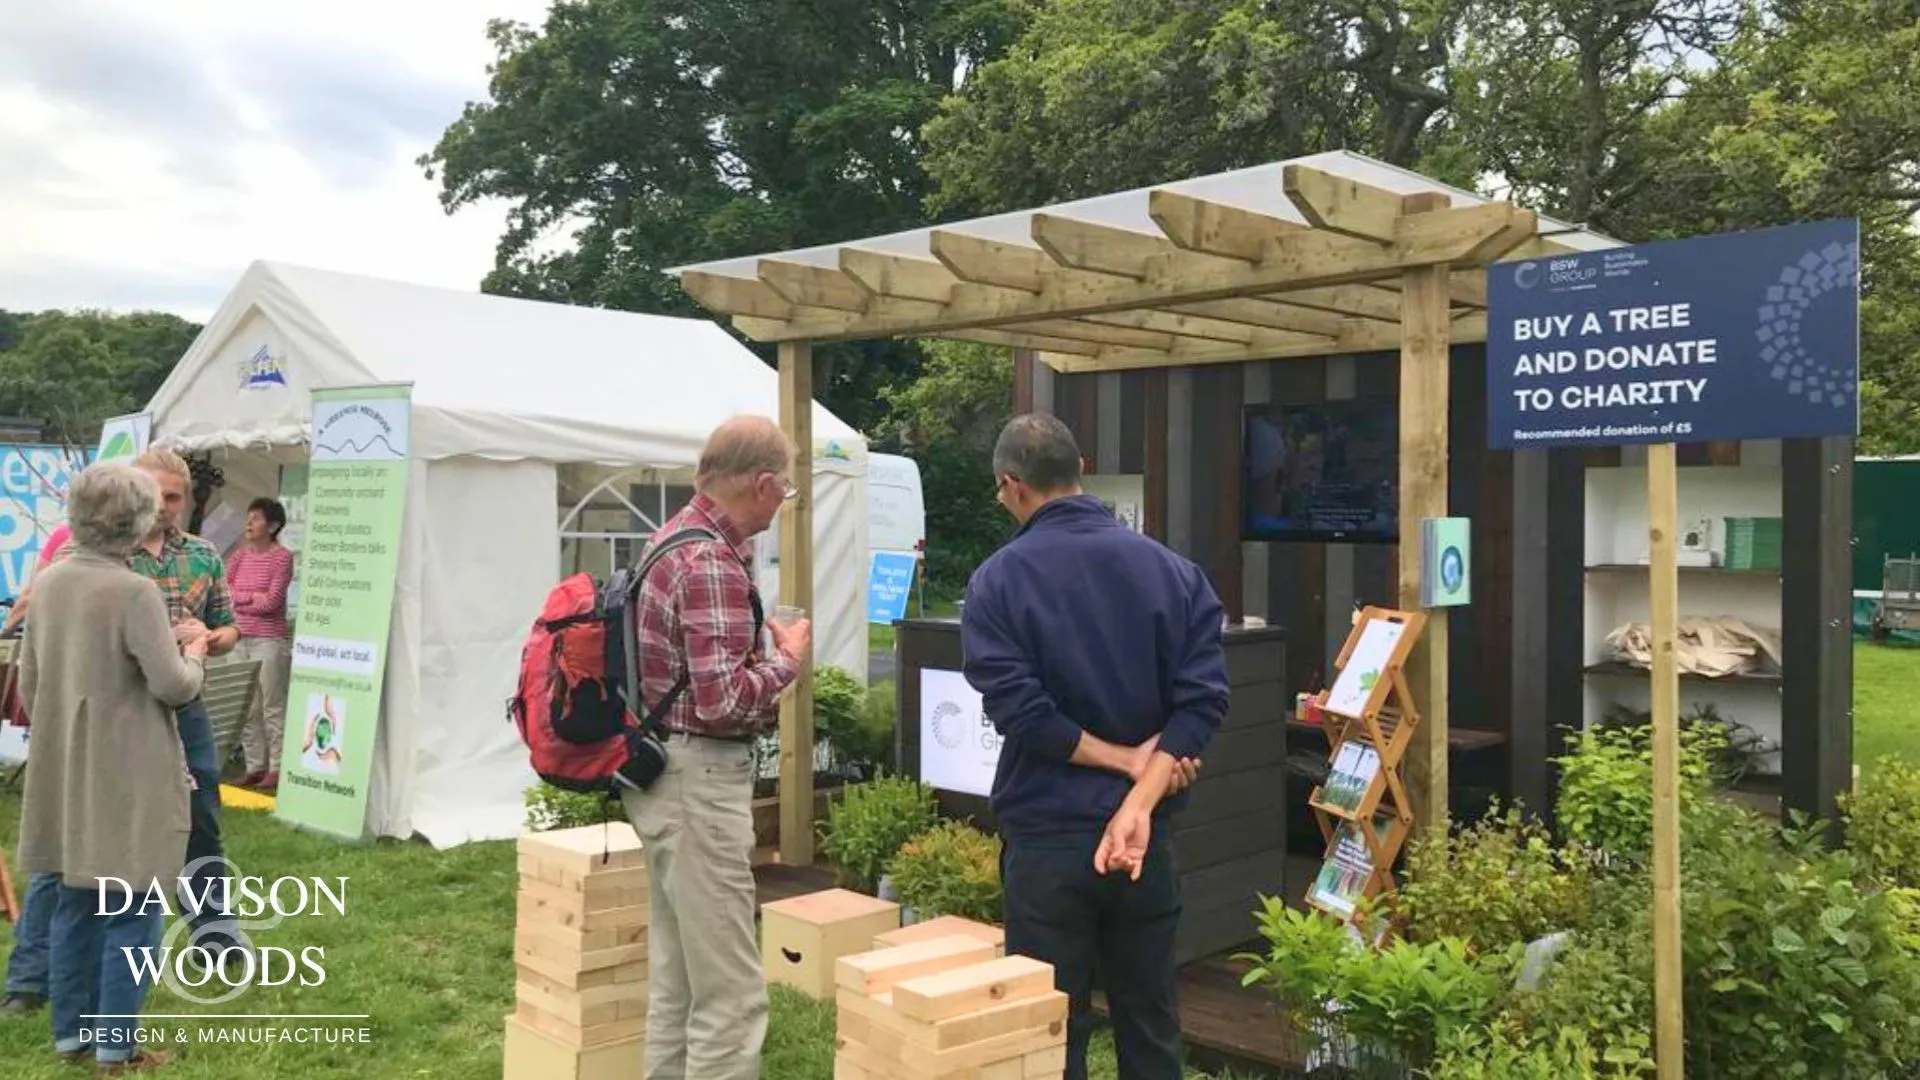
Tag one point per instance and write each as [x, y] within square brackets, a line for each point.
[21, 1003]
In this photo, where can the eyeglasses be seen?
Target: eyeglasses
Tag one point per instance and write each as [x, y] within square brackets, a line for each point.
[787, 490]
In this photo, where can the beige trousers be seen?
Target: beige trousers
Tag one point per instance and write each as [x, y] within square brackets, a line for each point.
[707, 1000]
[267, 719]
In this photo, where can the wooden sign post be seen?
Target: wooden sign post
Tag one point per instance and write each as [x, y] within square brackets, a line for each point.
[1716, 338]
[1362, 808]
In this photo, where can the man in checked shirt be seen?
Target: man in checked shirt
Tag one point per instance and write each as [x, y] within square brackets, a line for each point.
[698, 618]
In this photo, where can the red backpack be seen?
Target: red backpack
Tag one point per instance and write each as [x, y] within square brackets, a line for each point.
[580, 683]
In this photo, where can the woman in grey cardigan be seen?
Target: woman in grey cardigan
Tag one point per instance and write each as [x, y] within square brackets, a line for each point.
[107, 783]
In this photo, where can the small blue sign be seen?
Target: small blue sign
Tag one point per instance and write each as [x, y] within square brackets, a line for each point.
[889, 583]
[1743, 336]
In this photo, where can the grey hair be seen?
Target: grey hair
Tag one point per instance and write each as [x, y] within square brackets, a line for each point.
[1039, 451]
[740, 448]
[111, 507]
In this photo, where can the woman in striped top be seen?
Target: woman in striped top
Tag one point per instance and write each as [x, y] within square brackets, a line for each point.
[258, 575]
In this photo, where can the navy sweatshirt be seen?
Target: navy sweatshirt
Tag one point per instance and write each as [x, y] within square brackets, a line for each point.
[1080, 624]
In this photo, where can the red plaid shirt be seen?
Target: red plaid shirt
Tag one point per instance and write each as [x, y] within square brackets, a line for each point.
[695, 616]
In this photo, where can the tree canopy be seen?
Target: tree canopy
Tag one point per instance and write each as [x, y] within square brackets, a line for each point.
[73, 370]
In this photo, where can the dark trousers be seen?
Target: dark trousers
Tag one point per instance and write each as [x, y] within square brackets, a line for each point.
[1106, 931]
[206, 858]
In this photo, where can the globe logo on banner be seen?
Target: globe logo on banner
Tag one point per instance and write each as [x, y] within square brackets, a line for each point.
[1452, 569]
[1815, 277]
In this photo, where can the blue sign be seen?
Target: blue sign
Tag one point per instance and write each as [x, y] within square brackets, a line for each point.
[1743, 336]
[33, 503]
[889, 582]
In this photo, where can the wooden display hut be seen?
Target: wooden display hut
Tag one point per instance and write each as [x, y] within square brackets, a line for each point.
[1151, 320]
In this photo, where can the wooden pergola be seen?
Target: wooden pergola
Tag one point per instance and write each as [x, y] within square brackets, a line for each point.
[1332, 254]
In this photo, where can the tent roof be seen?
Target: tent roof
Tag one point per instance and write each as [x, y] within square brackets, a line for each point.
[528, 370]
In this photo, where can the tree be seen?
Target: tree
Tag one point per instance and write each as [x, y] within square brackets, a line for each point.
[1102, 95]
[661, 132]
[74, 370]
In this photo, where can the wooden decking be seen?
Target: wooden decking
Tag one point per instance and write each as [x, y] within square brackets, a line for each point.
[1227, 1027]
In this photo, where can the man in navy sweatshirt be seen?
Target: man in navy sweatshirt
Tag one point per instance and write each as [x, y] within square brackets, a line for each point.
[1098, 655]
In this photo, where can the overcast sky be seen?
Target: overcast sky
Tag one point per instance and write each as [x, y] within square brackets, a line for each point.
[149, 152]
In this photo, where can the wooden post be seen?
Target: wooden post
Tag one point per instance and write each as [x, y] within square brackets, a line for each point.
[796, 590]
[1662, 511]
[1425, 349]
[1816, 604]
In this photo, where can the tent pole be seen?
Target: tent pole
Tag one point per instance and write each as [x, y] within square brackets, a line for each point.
[796, 590]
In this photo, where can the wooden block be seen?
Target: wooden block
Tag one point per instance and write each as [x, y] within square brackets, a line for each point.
[579, 908]
[560, 957]
[877, 972]
[534, 1055]
[1046, 1064]
[572, 1009]
[585, 980]
[578, 1035]
[587, 849]
[533, 869]
[944, 926]
[846, 1070]
[915, 1063]
[954, 993]
[801, 939]
[885, 1029]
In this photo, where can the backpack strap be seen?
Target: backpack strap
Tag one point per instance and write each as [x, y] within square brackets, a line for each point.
[654, 716]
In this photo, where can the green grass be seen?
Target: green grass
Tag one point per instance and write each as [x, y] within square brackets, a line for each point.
[1886, 722]
[880, 638]
[425, 949]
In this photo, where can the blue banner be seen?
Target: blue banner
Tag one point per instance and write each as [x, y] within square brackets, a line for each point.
[33, 502]
[889, 582]
[1742, 336]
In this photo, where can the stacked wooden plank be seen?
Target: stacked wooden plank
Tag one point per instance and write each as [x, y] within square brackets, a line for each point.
[948, 1008]
[944, 926]
[580, 954]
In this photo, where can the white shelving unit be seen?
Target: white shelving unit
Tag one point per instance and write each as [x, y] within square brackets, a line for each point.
[1616, 589]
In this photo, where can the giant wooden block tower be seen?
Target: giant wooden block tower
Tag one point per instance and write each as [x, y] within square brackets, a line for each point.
[580, 956]
[948, 1008]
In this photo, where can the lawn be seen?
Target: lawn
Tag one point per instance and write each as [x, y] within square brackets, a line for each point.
[880, 638]
[1886, 721]
[425, 951]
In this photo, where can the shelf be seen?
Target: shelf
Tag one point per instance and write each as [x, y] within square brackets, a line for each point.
[1715, 571]
[1629, 671]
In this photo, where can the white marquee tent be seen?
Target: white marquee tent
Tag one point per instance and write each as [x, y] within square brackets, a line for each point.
[530, 420]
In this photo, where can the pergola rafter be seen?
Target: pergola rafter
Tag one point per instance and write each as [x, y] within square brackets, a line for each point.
[1266, 263]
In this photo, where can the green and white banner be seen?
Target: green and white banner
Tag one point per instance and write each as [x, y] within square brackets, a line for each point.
[356, 496]
[123, 438]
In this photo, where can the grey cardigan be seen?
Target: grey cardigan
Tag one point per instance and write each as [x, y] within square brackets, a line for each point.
[100, 676]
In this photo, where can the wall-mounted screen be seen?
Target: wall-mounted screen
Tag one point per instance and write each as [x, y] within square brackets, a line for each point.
[1327, 471]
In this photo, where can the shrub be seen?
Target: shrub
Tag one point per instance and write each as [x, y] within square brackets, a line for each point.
[869, 822]
[1883, 822]
[1493, 884]
[1606, 785]
[837, 697]
[1601, 988]
[550, 808]
[1499, 1053]
[951, 869]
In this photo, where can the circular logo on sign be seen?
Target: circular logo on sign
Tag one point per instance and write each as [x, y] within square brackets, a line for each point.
[949, 730]
[1453, 569]
[1830, 274]
[1526, 275]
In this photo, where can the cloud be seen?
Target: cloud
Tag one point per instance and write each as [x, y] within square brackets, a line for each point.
[149, 154]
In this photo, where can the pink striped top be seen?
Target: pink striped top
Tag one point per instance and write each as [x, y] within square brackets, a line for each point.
[258, 580]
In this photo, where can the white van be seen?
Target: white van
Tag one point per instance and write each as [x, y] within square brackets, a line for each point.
[896, 509]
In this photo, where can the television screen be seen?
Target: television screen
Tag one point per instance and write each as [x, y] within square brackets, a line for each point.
[1328, 471]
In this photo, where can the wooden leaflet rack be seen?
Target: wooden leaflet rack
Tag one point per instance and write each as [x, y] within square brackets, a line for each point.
[1363, 809]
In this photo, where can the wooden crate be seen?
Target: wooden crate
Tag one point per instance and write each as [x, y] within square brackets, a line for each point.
[532, 1054]
[944, 926]
[802, 938]
[948, 1009]
[580, 937]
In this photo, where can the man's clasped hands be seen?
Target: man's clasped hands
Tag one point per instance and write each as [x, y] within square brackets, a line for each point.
[1155, 776]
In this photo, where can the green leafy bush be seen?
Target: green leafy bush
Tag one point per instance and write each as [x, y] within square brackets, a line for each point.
[869, 822]
[1498, 1053]
[1494, 884]
[837, 700]
[1606, 785]
[1883, 822]
[1601, 988]
[550, 808]
[1396, 1003]
[951, 869]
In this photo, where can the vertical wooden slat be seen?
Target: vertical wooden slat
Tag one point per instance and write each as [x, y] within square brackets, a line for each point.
[1154, 405]
[1375, 566]
[796, 590]
[1256, 556]
[1023, 364]
[1214, 475]
[1076, 401]
[1424, 378]
[1180, 457]
[1816, 643]
[1133, 422]
[1297, 573]
[1106, 424]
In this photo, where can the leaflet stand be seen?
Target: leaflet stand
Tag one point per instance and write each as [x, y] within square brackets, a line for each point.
[1362, 808]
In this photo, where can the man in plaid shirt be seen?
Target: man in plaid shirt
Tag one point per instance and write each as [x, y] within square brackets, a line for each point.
[698, 620]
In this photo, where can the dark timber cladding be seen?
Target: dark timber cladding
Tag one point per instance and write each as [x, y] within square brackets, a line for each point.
[1185, 443]
[1816, 613]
